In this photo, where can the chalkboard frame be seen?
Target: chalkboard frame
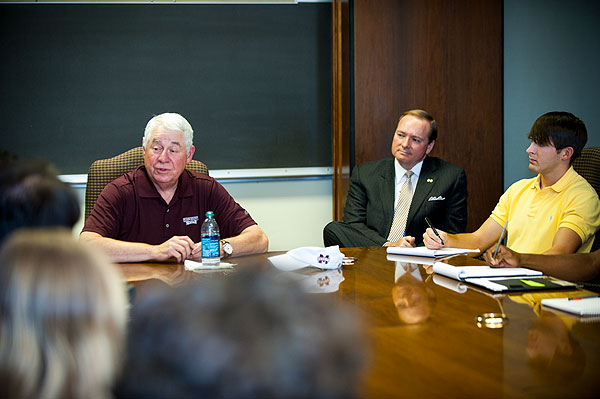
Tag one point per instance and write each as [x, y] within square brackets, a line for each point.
[82, 80]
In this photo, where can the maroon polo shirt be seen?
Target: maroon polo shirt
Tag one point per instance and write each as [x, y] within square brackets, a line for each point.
[131, 209]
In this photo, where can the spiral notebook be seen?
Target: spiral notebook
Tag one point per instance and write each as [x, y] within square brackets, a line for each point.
[581, 306]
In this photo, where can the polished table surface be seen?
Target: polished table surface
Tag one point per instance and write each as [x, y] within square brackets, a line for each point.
[537, 354]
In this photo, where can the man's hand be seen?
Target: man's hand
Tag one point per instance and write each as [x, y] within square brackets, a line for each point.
[178, 247]
[406, 241]
[432, 241]
[197, 252]
[504, 258]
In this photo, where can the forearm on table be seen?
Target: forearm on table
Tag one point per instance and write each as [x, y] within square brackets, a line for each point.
[119, 251]
[483, 238]
[573, 267]
[252, 240]
[466, 240]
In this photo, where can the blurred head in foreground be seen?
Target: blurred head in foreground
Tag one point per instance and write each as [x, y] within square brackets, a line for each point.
[31, 195]
[62, 317]
[249, 334]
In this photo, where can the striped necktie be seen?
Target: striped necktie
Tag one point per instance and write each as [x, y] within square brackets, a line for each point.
[402, 208]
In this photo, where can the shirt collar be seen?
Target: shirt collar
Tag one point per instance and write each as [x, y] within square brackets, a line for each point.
[145, 187]
[562, 184]
[400, 171]
[565, 181]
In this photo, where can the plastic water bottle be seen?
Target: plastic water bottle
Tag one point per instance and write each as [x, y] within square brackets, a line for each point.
[210, 240]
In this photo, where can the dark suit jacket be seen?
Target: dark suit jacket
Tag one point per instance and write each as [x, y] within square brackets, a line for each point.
[441, 195]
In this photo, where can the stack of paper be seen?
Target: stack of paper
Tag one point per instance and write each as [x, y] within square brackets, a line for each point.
[431, 253]
[465, 272]
[581, 306]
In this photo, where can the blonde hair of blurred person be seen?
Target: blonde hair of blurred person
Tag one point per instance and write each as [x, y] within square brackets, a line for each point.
[63, 312]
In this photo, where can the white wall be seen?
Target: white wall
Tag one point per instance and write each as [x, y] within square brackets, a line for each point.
[551, 63]
[291, 212]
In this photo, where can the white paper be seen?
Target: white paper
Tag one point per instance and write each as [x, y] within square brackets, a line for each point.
[487, 283]
[431, 253]
[586, 306]
[421, 260]
[450, 284]
[193, 265]
[464, 272]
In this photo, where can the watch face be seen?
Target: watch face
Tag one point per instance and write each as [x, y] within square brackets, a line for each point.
[227, 248]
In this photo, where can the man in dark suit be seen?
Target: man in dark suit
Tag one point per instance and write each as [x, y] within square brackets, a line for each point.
[428, 187]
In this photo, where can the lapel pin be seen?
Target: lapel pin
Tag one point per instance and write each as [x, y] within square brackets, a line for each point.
[429, 180]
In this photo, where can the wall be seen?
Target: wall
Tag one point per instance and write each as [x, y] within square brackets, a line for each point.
[292, 212]
[444, 57]
[551, 53]
[551, 59]
[254, 79]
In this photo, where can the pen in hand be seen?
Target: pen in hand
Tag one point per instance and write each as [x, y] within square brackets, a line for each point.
[500, 239]
[434, 230]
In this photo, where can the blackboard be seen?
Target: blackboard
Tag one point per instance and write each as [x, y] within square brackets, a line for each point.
[78, 82]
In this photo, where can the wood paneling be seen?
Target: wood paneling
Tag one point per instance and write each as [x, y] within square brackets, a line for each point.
[441, 56]
[340, 104]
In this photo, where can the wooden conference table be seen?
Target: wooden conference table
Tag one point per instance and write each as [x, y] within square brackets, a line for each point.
[537, 354]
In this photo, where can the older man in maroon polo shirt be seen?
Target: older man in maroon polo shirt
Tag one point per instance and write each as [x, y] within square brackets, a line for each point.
[155, 211]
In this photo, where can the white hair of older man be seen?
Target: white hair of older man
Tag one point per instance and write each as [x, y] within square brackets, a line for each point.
[171, 121]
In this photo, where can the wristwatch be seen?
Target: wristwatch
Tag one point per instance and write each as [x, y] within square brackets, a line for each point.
[227, 249]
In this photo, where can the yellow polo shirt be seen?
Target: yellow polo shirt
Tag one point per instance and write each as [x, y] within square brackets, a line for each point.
[535, 215]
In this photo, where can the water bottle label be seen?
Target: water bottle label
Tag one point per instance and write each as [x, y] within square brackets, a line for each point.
[210, 247]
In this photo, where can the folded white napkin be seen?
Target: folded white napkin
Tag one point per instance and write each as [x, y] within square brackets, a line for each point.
[323, 258]
[193, 265]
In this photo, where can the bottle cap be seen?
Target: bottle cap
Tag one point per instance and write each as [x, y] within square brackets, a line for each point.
[209, 213]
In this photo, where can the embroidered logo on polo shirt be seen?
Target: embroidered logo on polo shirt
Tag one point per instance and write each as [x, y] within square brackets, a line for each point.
[190, 220]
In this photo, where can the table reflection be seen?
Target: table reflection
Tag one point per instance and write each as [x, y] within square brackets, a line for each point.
[318, 281]
[413, 299]
[551, 349]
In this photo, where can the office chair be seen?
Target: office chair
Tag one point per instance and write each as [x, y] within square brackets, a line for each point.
[103, 171]
[588, 166]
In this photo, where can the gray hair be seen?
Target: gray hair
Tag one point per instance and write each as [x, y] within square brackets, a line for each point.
[171, 121]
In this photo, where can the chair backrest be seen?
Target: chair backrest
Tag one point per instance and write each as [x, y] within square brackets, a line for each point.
[588, 166]
[103, 171]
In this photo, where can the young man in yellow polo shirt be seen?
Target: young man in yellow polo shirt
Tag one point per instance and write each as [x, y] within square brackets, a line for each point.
[556, 212]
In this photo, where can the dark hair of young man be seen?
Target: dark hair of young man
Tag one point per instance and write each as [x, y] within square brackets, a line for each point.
[560, 129]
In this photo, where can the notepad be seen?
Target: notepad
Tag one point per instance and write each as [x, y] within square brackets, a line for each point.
[431, 253]
[420, 260]
[581, 306]
[464, 272]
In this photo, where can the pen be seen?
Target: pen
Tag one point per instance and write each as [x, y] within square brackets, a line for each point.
[434, 230]
[500, 239]
[583, 297]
